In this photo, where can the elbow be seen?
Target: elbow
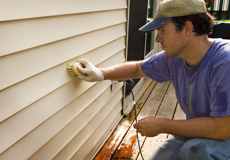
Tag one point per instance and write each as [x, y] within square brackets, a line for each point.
[221, 135]
[220, 128]
[224, 133]
[218, 134]
[224, 137]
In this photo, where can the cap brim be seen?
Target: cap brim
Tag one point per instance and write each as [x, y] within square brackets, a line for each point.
[154, 24]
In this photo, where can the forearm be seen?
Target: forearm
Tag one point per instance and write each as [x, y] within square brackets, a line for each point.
[205, 127]
[123, 71]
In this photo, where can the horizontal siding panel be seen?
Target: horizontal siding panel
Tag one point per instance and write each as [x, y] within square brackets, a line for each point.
[81, 137]
[22, 9]
[82, 108]
[40, 85]
[115, 59]
[98, 133]
[37, 60]
[66, 114]
[14, 128]
[20, 124]
[25, 34]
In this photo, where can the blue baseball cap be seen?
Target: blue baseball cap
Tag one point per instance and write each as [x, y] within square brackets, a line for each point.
[154, 24]
[174, 8]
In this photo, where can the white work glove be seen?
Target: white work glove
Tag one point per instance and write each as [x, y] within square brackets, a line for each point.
[91, 73]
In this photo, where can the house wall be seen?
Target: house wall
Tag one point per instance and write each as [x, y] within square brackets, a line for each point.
[46, 113]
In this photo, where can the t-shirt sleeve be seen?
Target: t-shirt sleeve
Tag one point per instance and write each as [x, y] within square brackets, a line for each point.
[220, 91]
[156, 67]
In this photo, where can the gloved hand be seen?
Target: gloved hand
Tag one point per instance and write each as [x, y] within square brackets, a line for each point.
[91, 73]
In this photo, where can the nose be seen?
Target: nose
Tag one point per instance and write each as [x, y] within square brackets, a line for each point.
[158, 39]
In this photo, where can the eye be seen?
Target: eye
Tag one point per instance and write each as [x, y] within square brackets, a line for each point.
[161, 30]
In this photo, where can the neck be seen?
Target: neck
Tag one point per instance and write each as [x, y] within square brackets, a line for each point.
[196, 50]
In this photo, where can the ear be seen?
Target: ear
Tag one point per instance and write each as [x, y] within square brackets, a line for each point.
[188, 27]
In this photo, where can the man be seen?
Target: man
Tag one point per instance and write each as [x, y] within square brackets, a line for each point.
[199, 68]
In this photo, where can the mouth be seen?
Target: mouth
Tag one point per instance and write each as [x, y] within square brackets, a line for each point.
[162, 46]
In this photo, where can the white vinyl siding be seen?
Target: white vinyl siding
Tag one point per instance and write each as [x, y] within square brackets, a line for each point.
[46, 113]
[24, 9]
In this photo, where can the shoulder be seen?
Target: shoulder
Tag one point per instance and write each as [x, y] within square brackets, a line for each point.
[221, 45]
[220, 41]
[220, 51]
[161, 57]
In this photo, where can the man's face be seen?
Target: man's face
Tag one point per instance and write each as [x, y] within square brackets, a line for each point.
[172, 41]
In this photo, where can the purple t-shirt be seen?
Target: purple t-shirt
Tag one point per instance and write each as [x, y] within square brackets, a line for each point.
[202, 90]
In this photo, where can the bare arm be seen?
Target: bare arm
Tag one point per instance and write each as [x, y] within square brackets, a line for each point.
[123, 71]
[204, 127]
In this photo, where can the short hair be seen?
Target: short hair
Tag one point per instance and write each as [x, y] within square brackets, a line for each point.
[203, 23]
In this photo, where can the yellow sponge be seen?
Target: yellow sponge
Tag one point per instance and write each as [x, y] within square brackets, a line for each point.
[72, 68]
